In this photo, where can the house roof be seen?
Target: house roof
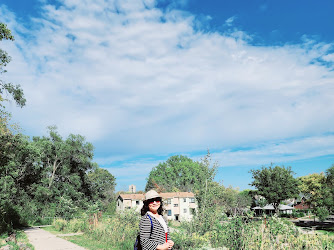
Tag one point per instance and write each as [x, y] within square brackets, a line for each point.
[271, 207]
[163, 195]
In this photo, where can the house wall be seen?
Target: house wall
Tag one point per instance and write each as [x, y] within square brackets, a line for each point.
[180, 208]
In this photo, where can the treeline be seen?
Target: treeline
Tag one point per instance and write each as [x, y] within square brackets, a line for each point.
[49, 176]
[274, 185]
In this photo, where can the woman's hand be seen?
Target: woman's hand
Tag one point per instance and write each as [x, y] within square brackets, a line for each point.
[170, 244]
[163, 247]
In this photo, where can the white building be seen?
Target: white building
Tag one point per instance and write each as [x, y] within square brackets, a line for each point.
[178, 206]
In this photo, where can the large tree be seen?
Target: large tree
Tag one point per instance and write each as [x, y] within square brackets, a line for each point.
[312, 186]
[275, 184]
[180, 173]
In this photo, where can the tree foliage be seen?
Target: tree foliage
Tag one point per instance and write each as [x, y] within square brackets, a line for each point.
[312, 186]
[275, 184]
[14, 90]
[319, 188]
[47, 176]
[181, 174]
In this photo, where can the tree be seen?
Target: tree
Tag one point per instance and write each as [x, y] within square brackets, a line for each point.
[329, 190]
[65, 164]
[14, 90]
[275, 184]
[312, 186]
[180, 173]
[102, 183]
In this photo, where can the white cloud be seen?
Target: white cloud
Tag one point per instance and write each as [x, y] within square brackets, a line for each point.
[229, 21]
[116, 73]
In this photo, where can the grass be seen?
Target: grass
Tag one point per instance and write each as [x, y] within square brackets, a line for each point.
[21, 238]
[87, 242]
[51, 229]
[328, 231]
[81, 240]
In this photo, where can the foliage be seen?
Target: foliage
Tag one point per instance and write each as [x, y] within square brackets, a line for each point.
[181, 174]
[312, 186]
[102, 184]
[45, 177]
[319, 188]
[21, 243]
[14, 90]
[275, 184]
[322, 213]
[116, 232]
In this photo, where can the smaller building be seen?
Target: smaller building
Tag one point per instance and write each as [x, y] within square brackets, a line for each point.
[178, 206]
[269, 209]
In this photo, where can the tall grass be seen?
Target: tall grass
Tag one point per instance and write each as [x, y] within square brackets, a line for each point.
[116, 232]
[120, 231]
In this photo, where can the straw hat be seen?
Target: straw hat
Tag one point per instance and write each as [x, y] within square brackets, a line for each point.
[151, 194]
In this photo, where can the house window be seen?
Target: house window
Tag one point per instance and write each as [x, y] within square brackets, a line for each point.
[176, 205]
[169, 201]
[184, 199]
[137, 202]
[192, 211]
[185, 210]
[169, 212]
[192, 200]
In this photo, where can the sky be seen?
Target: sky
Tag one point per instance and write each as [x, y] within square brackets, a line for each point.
[142, 80]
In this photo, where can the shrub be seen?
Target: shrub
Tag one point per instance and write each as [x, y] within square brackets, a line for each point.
[60, 224]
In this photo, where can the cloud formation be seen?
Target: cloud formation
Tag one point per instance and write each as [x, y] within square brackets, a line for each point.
[136, 79]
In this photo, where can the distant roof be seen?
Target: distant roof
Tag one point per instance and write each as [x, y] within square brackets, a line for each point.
[163, 195]
[271, 207]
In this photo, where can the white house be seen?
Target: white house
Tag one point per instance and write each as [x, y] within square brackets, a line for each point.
[178, 206]
[270, 209]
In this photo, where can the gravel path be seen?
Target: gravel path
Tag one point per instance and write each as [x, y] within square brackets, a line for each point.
[43, 240]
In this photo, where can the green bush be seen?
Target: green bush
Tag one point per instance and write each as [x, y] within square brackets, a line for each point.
[322, 213]
[60, 224]
[183, 240]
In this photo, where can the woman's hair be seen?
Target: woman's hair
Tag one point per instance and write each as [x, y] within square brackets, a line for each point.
[145, 208]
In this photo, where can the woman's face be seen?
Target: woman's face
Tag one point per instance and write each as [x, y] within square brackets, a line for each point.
[154, 204]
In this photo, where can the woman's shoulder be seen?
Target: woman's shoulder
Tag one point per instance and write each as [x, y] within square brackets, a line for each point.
[144, 217]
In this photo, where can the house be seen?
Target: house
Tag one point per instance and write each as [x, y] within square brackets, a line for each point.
[269, 209]
[178, 206]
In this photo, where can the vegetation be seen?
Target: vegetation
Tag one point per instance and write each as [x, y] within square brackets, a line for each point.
[181, 174]
[20, 242]
[275, 184]
[120, 230]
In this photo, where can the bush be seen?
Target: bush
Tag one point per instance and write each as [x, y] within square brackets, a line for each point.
[76, 225]
[60, 224]
[184, 240]
[322, 213]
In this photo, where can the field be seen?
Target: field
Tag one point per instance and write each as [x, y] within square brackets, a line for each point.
[119, 232]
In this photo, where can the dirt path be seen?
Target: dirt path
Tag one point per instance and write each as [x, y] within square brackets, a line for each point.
[43, 240]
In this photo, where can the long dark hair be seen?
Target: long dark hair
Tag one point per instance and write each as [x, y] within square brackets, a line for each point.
[145, 208]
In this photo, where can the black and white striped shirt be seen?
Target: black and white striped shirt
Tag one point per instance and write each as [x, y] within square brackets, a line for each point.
[150, 240]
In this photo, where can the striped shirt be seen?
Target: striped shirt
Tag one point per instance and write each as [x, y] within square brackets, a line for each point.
[150, 240]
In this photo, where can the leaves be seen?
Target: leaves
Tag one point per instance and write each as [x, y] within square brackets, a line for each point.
[275, 184]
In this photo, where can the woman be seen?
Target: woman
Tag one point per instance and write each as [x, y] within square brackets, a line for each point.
[154, 232]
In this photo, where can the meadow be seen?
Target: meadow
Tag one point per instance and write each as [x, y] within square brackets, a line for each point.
[120, 230]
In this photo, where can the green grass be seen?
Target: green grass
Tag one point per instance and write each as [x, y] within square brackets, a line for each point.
[21, 237]
[52, 230]
[328, 231]
[81, 240]
[87, 242]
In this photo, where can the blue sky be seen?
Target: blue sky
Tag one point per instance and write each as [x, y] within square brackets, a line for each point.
[145, 79]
